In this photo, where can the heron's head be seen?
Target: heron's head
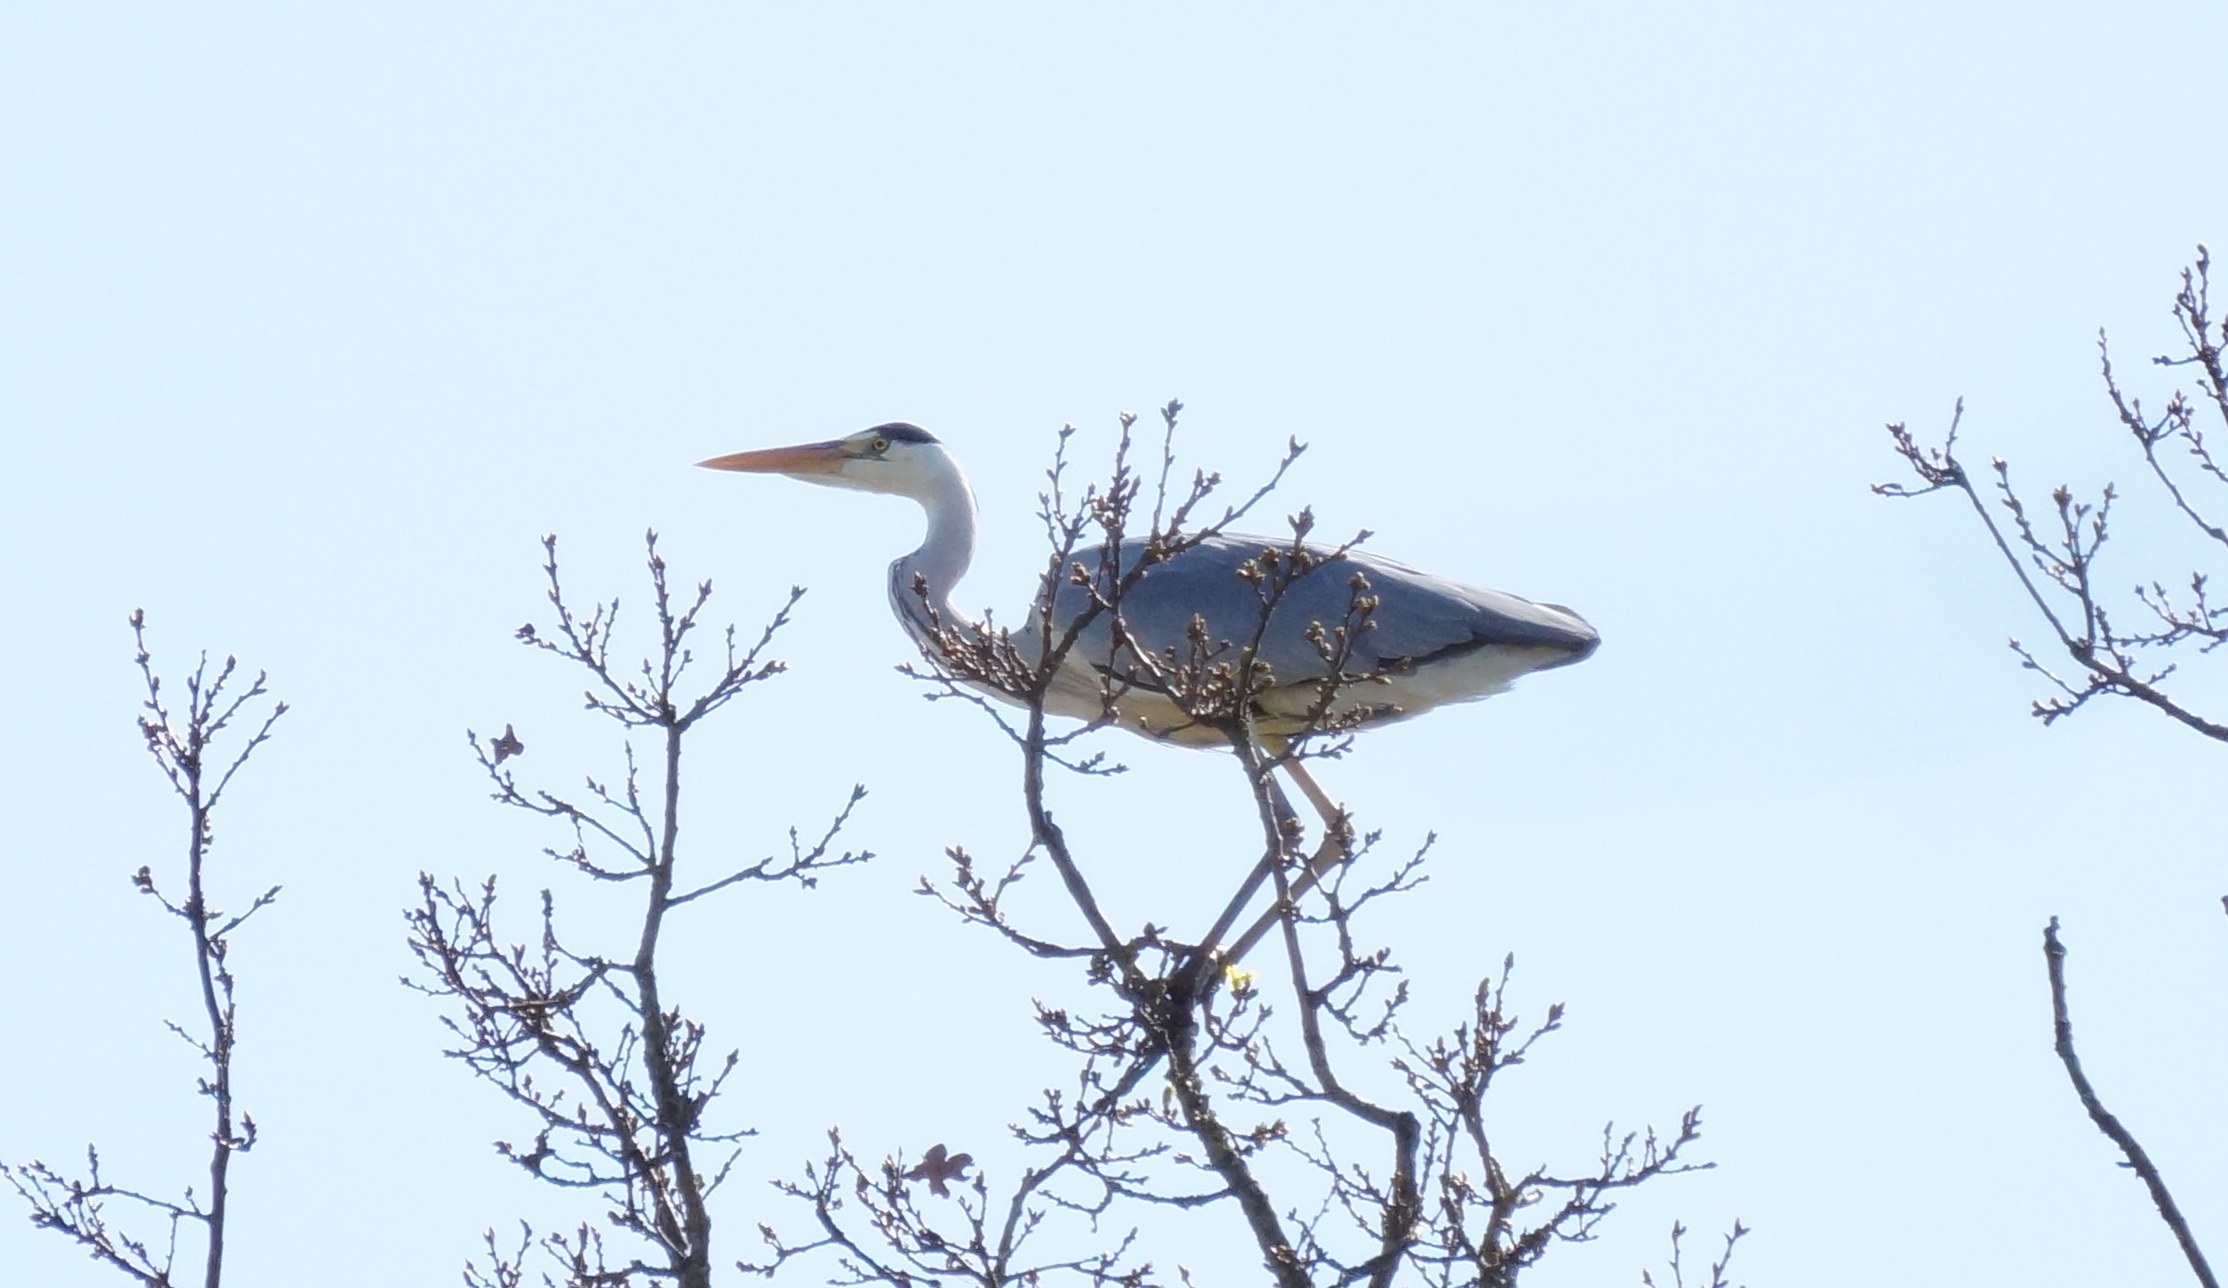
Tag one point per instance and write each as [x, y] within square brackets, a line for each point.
[897, 458]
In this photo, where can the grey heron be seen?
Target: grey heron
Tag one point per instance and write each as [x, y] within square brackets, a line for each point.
[1431, 641]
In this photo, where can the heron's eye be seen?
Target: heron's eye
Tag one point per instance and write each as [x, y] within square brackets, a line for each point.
[879, 446]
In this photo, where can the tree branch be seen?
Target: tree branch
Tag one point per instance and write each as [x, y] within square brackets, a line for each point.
[2054, 959]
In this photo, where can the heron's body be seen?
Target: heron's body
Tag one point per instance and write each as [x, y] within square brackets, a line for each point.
[1430, 641]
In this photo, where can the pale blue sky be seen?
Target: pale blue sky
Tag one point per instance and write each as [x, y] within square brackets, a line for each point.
[313, 319]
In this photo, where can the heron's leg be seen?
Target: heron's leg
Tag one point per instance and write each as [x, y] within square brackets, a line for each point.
[1211, 945]
[1267, 751]
[1334, 818]
[1279, 748]
[1328, 855]
[1338, 837]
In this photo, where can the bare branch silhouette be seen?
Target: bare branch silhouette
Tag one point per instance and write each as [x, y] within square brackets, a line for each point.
[2056, 559]
[2138, 1159]
[612, 1073]
[183, 743]
[1717, 1268]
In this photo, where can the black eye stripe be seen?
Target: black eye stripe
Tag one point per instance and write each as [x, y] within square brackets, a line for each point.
[898, 431]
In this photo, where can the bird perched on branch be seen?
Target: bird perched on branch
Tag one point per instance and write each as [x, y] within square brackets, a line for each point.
[1423, 641]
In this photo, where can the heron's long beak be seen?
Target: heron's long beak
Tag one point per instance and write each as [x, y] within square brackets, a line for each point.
[805, 458]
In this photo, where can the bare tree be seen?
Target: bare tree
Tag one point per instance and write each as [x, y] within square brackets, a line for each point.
[1189, 1086]
[2057, 564]
[611, 1071]
[79, 1206]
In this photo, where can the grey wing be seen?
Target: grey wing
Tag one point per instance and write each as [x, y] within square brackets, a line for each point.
[1419, 618]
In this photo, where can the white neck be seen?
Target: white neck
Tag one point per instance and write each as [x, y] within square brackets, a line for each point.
[945, 552]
